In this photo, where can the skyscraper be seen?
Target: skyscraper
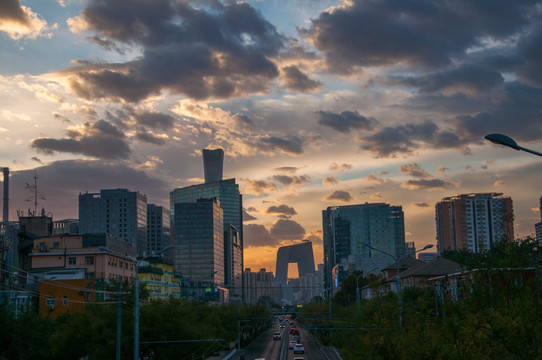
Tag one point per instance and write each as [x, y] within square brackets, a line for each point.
[158, 229]
[199, 241]
[227, 193]
[473, 221]
[301, 254]
[118, 212]
[213, 164]
[347, 228]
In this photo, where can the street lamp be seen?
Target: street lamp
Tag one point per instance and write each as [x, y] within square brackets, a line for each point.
[136, 294]
[508, 141]
[357, 289]
[398, 277]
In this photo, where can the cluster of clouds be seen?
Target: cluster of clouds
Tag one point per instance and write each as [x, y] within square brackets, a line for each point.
[390, 78]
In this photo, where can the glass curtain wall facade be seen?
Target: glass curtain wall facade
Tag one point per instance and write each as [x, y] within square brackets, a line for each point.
[199, 241]
[227, 193]
[347, 228]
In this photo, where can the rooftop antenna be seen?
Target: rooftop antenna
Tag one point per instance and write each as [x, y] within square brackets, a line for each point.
[35, 194]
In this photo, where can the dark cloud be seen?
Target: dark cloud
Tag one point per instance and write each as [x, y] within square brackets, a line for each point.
[284, 211]
[272, 144]
[292, 180]
[404, 139]
[414, 170]
[339, 195]
[153, 119]
[287, 230]
[422, 205]
[208, 50]
[61, 182]
[247, 216]
[243, 121]
[99, 139]
[286, 169]
[340, 167]
[517, 115]
[426, 184]
[413, 33]
[468, 79]
[346, 121]
[255, 235]
[330, 180]
[10, 10]
[296, 80]
[256, 187]
[150, 138]
[529, 49]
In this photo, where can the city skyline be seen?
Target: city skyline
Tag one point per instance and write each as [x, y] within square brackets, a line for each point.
[315, 103]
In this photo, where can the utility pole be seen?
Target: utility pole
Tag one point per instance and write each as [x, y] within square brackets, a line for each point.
[119, 319]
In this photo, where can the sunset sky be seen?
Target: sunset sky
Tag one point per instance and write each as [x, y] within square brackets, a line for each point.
[316, 103]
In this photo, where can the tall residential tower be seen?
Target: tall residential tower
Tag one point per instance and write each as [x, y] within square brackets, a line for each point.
[473, 221]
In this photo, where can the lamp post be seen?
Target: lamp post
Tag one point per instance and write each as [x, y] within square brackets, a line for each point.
[398, 277]
[357, 289]
[508, 141]
[136, 294]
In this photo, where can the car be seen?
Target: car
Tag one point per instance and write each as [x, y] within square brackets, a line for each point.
[294, 332]
[296, 339]
[299, 349]
[292, 344]
[276, 336]
[299, 358]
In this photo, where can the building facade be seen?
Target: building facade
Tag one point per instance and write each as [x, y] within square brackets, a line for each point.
[158, 230]
[213, 161]
[227, 193]
[156, 275]
[259, 285]
[118, 212]
[473, 221]
[199, 240]
[346, 231]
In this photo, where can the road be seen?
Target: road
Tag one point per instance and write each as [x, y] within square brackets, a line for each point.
[264, 347]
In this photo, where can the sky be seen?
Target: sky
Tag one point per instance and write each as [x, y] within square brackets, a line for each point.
[316, 103]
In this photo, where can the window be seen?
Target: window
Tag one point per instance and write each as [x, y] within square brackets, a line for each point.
[55, 244]
[89, 260]
[65, 300]
[72, 261]
[50, 302]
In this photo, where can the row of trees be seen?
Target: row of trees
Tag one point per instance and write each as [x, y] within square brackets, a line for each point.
[497, 316]
[92, 331]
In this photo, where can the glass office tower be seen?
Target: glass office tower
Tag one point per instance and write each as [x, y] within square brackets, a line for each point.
[199, 241]
[347, 228]
[227, 193]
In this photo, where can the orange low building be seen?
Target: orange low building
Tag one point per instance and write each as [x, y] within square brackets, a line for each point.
[58, 297]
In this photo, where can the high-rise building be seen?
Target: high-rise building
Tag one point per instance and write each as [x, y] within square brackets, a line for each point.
[227, 193]
[347, 229]
[473, 221]
[301, 254]
[118, 212]
[199, 241]
[258, 285]
[158, 230]
[212, 164]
